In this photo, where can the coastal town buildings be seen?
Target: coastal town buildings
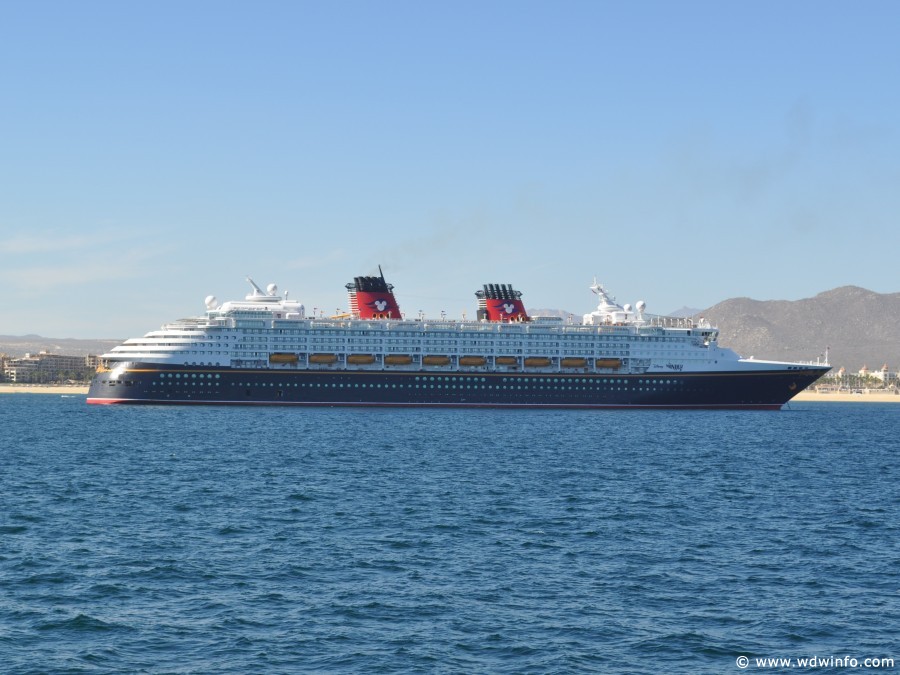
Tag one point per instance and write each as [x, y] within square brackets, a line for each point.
[863, 380]
[882, 374]
[46, 367]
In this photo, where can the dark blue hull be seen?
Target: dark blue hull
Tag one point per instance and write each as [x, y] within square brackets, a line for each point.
[156, 384]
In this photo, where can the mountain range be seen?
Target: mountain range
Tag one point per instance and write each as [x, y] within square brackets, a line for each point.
[858, 327]
[19, 345]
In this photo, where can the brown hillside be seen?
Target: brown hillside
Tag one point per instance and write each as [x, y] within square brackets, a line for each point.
[859, 326]
[19, 345]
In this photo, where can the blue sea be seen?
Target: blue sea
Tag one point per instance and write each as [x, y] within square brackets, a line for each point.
[274, 540]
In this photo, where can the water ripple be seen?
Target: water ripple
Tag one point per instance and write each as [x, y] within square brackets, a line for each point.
[239, 540]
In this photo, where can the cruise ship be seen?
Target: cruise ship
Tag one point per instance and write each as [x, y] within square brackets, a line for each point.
[266, 350]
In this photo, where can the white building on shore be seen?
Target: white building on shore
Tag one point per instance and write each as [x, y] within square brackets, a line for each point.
[47, 367]
[883, 374]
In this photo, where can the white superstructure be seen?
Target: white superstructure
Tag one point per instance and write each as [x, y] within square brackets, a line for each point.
[266, 330]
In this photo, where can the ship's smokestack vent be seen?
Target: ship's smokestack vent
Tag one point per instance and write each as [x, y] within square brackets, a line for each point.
[500, 302]
[372, 298]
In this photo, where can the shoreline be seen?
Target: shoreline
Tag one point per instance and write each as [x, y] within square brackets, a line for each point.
[13, 388]
[804, 396]
[843, 397]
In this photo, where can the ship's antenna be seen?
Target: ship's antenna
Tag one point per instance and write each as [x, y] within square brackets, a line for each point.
[256, 288]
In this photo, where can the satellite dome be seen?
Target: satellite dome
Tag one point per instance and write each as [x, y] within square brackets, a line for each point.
[211, 302]
[272, 289]
[641, 305]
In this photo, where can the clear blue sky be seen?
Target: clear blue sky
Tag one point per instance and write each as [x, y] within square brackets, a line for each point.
[683, 152]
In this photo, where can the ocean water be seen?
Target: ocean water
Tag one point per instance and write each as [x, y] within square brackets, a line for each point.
[247, 540]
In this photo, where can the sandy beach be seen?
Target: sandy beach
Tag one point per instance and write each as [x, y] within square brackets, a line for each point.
[842, 397]
[74, 389]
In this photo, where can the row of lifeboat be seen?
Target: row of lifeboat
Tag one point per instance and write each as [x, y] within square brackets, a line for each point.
[441, 360]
